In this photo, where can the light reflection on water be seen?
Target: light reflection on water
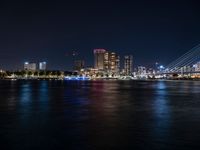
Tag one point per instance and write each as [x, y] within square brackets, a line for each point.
[161, 108]
[161, 115]
[100, 114]
[43, 96]
[25, 95]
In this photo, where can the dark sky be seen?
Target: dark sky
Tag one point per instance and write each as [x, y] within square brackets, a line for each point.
[45, 31]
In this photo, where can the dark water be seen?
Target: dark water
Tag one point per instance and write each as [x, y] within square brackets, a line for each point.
[99, 115]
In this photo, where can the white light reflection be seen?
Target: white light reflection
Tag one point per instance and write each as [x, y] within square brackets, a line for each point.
[161, 112]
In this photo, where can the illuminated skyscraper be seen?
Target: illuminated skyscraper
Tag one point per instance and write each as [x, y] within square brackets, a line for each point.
[106, 61]
[114, 62]
[128, 64]
[42, 66]
[99, 58]
[118, 64]
[30, 66]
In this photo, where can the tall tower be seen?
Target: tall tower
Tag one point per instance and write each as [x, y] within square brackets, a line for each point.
[106, 61]
[114, 62]
[118, 64]
[99, 58]
[42, 66]
[128, 64]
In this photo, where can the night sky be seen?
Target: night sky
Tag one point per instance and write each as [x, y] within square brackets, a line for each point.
[152, 31]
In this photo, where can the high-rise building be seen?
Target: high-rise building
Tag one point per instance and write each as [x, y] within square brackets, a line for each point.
[78, 65]
[30, 66]
[118, 64]
[42, 66]
[114, 62]
[128, 64]
[99, 58]
[106, 61]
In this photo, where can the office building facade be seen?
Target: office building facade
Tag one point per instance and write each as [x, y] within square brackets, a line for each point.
[30, 66]
[99, 59]
[106, 61]
[114, 62]
[42, 66]
[128, 64]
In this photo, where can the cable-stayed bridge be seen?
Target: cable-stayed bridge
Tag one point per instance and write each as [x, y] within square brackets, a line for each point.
[187, 63]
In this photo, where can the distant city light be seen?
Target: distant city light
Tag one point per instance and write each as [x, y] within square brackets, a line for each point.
[42, 65]
[26, 63]
[77, 78]
[161, 67]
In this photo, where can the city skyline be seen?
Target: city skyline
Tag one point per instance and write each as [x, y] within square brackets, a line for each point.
[151, 31]
[75, 58]
[100, 74]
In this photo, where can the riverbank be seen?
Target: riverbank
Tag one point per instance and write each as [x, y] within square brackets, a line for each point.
[99, 78]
